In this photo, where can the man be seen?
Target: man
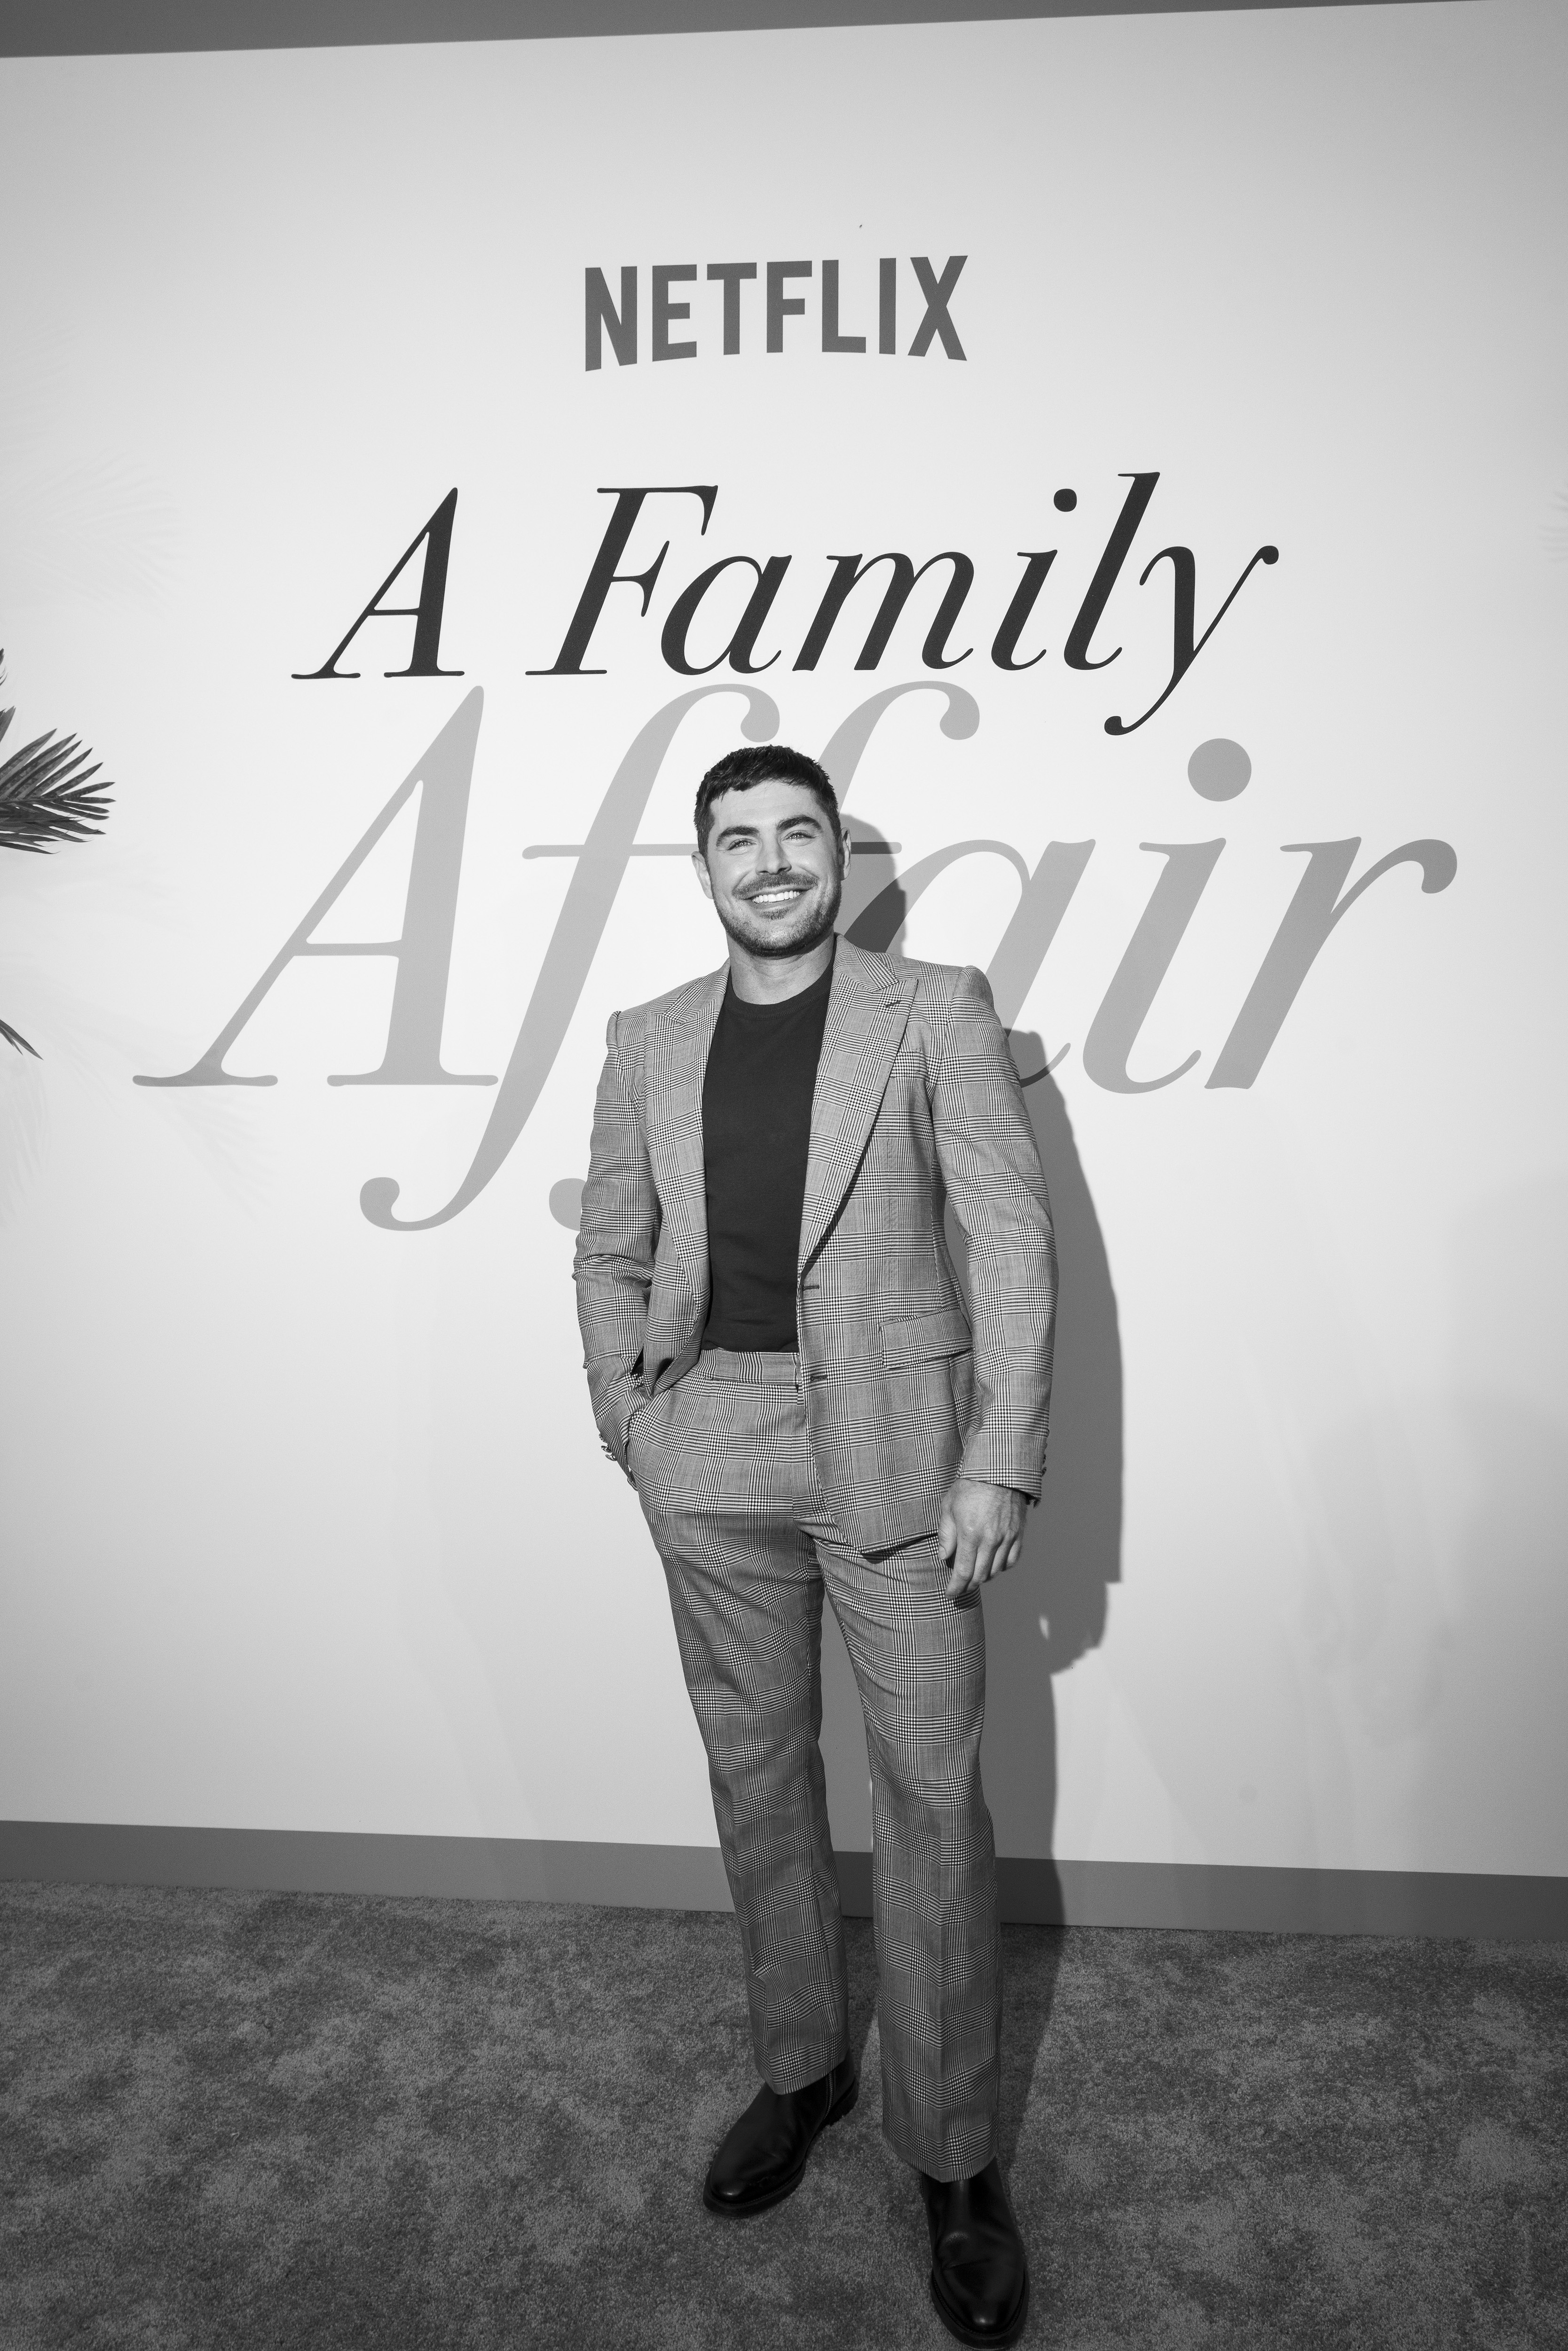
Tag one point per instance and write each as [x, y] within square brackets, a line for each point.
[780, 1358]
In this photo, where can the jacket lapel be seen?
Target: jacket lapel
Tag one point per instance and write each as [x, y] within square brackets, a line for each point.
[868, 1011]
[678, 1052]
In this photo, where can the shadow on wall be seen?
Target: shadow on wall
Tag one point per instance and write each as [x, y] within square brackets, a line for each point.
[1051, 1608]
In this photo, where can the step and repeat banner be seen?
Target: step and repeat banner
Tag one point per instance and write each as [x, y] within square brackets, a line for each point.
[1131, 452]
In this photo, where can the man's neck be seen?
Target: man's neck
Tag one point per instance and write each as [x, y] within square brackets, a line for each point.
[773, 979]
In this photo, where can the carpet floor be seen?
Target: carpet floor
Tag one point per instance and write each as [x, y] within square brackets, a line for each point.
[235, 2120]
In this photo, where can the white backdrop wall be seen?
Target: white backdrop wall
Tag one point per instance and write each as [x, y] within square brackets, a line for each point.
[306, 1524]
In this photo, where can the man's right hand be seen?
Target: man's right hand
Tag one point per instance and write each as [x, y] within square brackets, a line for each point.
[981, 1535]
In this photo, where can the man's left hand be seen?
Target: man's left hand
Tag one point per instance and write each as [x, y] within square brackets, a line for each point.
[980, 1533]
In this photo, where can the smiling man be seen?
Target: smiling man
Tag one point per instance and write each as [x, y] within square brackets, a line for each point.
[782, 1360]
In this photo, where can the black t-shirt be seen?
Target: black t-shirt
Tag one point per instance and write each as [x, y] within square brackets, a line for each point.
[756, 1131]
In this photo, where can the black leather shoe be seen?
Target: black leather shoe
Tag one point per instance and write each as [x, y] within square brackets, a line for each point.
[979, 2271]
[763, 2159]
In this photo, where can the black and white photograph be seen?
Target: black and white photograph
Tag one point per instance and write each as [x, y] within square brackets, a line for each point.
[783, 1176]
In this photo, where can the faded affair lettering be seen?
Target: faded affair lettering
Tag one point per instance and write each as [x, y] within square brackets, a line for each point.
[422, 950]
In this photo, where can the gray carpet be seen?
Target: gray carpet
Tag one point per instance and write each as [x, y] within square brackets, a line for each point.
[235, 2120]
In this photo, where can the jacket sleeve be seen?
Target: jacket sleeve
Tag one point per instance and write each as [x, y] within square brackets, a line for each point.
[991, 1168]
[613, 1268]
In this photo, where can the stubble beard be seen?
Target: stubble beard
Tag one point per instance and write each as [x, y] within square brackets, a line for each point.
[767, 939]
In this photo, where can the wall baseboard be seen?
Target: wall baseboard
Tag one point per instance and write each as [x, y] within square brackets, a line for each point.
[691, 1878]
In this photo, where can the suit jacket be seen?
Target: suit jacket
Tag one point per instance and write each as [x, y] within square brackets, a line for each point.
[916, 1104]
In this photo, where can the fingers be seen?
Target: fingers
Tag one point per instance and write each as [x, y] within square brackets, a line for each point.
[963, 1563]
[976, 1558]
[979, 1535]
[964, 1557]
[972, 1565]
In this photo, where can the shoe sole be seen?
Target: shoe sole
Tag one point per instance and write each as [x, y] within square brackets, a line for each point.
[1000, 2338]
[835, 2114]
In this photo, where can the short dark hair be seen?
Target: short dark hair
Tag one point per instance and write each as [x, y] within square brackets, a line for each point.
[766, 763]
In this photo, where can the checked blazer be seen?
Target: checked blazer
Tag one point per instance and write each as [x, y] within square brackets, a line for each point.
[916, 1104]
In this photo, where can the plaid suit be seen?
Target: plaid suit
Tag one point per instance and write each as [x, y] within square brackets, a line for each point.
[765, 1479]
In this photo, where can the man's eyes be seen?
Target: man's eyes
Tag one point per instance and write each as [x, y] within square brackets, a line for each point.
[739, 841]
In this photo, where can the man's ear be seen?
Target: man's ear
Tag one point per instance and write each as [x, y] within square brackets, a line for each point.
[845, 845]
[699, 867]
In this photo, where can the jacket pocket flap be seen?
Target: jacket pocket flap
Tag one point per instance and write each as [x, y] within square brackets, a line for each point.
[919, 1338]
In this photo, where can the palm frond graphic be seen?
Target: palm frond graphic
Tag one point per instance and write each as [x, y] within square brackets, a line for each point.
[46, 795]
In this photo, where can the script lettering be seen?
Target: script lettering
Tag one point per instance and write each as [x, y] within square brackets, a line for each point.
[422, 949]
[425, 659]
[1310, 916]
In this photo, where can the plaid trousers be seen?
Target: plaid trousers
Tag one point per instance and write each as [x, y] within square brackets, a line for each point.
[723, 1470]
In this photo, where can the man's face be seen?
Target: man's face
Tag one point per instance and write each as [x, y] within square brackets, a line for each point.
[773, 870]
